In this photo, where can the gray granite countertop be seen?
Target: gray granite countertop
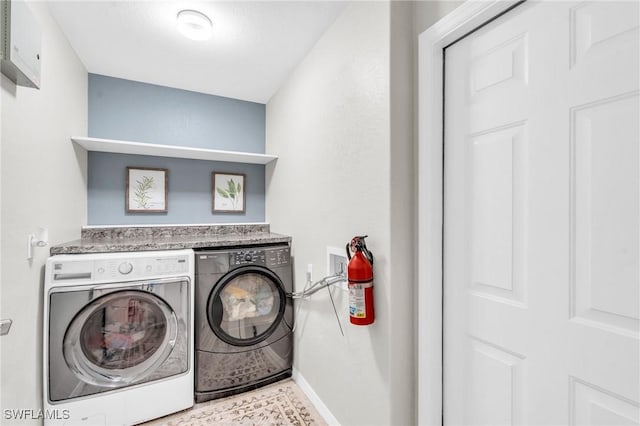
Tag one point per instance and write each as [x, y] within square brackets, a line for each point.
[144, 238]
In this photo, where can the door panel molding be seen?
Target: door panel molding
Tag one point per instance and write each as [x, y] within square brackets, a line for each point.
[593, 168]
[463, 20]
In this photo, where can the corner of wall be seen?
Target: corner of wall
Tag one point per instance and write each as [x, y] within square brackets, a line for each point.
[329, 124]
[43, 184]
[402, 219]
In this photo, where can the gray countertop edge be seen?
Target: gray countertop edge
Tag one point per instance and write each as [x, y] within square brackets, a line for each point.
[165, 243]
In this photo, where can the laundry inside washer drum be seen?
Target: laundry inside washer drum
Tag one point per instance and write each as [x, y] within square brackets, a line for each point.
[122, 336]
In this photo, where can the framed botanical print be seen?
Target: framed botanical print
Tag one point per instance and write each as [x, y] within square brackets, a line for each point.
[229, 193]
[146, 190]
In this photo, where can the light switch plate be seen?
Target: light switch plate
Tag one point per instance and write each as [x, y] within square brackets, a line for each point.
[5, 325]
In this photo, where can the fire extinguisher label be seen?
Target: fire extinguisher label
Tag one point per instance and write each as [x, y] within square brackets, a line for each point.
[356, 302]
[357, 306]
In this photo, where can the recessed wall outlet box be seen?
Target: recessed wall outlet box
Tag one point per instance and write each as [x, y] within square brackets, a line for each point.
[20, 44]
[5, 325]
[337, 263]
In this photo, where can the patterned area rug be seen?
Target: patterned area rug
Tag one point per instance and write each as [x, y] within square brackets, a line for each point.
[280, 404]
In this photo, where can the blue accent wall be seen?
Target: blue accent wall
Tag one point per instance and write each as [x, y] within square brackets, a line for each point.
[189, 190]
[133, 111]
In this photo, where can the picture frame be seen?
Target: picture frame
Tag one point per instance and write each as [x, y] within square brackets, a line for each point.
[146, 190]
[228, 192]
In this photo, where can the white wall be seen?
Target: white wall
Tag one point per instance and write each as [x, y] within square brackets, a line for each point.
[344, 169]
[43, 183]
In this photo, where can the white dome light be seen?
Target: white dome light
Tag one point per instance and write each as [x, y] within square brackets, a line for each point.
[194, 25]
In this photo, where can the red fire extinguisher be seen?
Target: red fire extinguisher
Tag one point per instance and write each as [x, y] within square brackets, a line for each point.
[360, 275]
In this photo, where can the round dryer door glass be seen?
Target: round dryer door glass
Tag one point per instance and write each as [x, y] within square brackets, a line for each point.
[120, 338]
[246, 306]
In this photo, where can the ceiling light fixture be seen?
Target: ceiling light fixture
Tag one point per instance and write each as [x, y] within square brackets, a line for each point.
[194, 25]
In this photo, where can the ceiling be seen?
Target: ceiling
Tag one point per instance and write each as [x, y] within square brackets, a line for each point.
[255, 44]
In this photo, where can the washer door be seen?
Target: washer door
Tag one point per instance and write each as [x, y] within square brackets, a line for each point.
[246, 305]
[120, 338]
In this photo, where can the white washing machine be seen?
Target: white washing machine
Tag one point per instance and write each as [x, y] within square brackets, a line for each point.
[118, 337]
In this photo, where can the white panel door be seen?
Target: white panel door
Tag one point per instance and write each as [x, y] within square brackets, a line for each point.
[542, 208]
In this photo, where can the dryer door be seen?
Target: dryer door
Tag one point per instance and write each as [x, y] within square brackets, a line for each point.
[120, 338]
[246, 306]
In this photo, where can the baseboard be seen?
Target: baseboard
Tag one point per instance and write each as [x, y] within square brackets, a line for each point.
[314, 398]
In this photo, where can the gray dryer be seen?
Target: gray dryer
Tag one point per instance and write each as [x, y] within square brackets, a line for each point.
[243, 320]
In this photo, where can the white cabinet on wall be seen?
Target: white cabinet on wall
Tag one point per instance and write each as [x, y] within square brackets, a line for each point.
[20, 44]
[173, 151]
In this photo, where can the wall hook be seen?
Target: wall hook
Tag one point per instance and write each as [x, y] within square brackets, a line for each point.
[39, 239]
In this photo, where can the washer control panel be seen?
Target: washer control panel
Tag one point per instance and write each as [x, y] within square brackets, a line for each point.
[139, 268]
[109, 268]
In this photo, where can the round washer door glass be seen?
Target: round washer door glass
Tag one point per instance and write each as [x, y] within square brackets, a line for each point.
[120, 338]
[246, 306]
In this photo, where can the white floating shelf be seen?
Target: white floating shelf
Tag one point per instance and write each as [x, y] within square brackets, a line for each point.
[141, 148]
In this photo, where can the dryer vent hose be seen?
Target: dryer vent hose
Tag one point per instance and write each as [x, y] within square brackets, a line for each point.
[312, 288]
[317, 286]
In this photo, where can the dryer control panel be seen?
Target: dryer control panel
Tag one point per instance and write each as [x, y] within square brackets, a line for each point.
[271, 258]
[278, 257]
[247, 257]
[221, 261]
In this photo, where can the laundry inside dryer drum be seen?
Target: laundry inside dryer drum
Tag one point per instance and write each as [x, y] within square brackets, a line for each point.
[246, 308]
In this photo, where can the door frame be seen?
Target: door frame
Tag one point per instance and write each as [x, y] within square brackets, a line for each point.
[431, 43]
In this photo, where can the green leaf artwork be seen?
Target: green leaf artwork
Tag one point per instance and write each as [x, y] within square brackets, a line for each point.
[232, 192]
[142, 193]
